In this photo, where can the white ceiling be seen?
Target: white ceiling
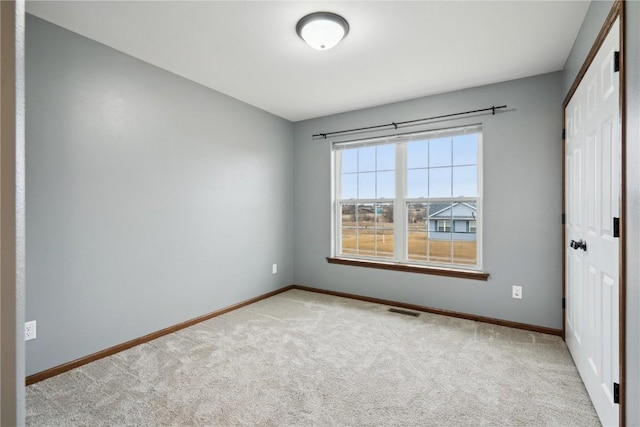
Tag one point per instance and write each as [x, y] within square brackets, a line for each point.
[395, 50]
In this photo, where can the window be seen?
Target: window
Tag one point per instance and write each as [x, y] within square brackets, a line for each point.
[412, 199]
[444, 225]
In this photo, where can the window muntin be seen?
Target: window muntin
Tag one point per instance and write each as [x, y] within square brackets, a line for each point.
[412, 200]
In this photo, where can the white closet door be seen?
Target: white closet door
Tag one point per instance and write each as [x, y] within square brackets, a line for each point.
[593, 185]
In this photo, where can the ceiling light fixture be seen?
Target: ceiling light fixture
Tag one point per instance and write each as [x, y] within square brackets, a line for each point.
[322, 30]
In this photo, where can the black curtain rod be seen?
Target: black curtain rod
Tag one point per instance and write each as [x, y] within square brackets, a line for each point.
[395, 125]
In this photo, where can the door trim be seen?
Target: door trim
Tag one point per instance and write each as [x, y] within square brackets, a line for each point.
[617, 11]
[8, 322]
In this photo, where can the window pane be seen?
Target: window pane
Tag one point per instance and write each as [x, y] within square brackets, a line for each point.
[417, 154]
[439, 236]
[386, 183]
[384, 214]
[417, 221]
[366, 241]
[366, 159]
[464, 237]
[348, 215]
[384, 230]
[440, 182]
[438, 211]
[417, 216]
[348, 230]
[465, 252]
[439, 248]
[367, 185]
[417, 183]
[384, 243]
[465, 149]
[349, 159]
[465, 181]
[349, 240]
[417, 245]
[386, 157]
[440, 152]
[471, 212]
[366, 216]
[349, 186]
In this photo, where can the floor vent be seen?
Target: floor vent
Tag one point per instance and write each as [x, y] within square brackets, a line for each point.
[405, 312]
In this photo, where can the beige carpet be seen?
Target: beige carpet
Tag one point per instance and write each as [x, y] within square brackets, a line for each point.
[306, 359]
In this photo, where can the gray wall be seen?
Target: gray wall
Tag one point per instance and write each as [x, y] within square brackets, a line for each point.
[522, 191]
[150, 199]
[596, 15]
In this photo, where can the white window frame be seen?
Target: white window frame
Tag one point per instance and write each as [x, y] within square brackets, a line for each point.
[401, 202]
[446, 224]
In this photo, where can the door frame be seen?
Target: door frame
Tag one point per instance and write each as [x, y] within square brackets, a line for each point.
[12, 213]
[8, 318]
[617, 11]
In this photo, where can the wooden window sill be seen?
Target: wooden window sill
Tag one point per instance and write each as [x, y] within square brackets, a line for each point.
[448, 272]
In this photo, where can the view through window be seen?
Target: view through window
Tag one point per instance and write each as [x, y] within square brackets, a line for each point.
[412, 199]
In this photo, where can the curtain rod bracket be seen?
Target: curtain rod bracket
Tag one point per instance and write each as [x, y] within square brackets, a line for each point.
[395, 125]
[493, 110]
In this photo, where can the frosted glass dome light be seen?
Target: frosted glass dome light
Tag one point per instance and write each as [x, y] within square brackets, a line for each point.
[322, 30]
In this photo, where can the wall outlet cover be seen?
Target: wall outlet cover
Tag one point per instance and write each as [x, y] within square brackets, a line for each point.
[30, 330]
[517, 292]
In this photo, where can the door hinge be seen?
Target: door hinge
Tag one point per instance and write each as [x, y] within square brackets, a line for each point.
[564, 303]
[564, 134]
[616, 227]
[616, 393]
[564, 219]
[616, 61]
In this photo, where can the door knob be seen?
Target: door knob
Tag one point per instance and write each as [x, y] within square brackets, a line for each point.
[580, 244]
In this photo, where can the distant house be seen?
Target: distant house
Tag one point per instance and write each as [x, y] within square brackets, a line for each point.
[456, 221]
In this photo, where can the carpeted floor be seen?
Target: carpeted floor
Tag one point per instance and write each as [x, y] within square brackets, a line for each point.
[307, 359]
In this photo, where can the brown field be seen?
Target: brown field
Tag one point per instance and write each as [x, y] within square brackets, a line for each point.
[420, 249]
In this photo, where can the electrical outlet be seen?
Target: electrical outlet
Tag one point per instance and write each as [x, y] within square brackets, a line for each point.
[30, 330]
[274, 268]
[516, 292]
